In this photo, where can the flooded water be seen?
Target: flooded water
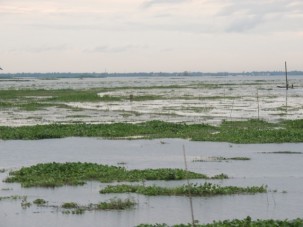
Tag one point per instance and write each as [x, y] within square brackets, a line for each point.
[207, 99]
[282, 173]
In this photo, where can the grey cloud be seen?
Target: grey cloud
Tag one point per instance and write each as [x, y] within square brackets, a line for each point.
[244, 24]
[247, 15]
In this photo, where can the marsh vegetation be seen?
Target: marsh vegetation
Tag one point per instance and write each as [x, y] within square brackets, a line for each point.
[59, 174]
[190, 99]
[251, 131]
[238, 222]
[206, 189]
[220, 159]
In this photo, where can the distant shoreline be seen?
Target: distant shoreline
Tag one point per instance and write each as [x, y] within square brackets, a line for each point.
[145, 74]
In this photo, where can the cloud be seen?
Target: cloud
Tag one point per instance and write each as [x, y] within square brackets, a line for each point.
[42, 48]
[116, 49]
[247, 15]
[151, 3]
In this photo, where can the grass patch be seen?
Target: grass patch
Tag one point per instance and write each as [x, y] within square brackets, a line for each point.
[251, 131]
[238, 222]
[59, 174]
[206, 189]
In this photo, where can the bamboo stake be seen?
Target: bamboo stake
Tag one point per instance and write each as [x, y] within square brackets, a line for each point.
[189, 189]
[286, 75]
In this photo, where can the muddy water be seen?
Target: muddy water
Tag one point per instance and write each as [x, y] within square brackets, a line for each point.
[281, 172]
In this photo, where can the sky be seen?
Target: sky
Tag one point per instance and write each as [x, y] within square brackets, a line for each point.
[150, 35]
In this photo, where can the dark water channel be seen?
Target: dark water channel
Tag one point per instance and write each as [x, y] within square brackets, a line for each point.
[283, 173]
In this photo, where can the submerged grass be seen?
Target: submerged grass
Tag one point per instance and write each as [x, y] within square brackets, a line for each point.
[247, 222]
[283, 152]
[13, 197]
[112, 204]
[206, 189]
[59, 174]
[251, 131]
[220, 159]
[117, 204]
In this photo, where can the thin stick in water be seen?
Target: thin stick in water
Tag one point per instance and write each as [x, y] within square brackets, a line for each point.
[189, 189]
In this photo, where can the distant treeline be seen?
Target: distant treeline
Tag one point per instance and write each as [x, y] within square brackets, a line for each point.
[143, 74]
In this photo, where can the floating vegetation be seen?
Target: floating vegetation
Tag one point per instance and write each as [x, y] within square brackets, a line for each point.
[251, 131]
[112, 204]
[2, 170]
[39, 202]
[74, 211]
[282, 152]
[13, 197]
[70, 205]
[121, 163]
[75, 208]
[117, 204]
[206, 189]
[76, 173]
[238, 222]
[219, 159]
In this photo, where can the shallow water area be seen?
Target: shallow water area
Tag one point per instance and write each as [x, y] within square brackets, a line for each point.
[206, 99]
[282, 173]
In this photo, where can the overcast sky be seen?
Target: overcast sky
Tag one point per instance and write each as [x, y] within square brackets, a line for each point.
[150, 35]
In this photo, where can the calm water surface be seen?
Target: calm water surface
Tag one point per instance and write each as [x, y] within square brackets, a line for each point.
[281, 172]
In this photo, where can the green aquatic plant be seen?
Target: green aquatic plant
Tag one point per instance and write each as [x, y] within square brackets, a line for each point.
[246, 222]
[220, 159]
[112, 204]
[206, 189]
[282, 152]
[251, 131]
[39, 202]
[13, 197]
[117, 204]
[77, 173]
[69, 205]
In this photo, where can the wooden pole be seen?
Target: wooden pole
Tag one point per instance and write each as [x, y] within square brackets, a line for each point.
[286, 75]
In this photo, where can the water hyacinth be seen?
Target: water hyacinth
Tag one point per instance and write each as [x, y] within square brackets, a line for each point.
[77, 173]
[206, 189]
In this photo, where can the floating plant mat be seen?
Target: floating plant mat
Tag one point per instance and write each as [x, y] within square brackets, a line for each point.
[206, 189]
[282, 152]
[219, 159]
[76, 173]
[237, 222]
[73, 207]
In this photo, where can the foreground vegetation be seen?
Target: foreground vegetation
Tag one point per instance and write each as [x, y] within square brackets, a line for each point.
[247, 222]
[71, 173]
[251, 131]
[206, 189]
[112, 204]
[75, 208]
